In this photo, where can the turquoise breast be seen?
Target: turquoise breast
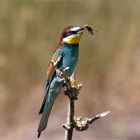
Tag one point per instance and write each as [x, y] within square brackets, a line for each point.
[70, 57]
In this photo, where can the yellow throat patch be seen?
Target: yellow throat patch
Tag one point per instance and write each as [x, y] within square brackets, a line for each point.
[73, 39]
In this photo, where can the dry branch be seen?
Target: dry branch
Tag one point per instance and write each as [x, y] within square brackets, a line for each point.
[79, 123]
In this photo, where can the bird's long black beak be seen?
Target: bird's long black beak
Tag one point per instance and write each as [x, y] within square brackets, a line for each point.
[80, 30]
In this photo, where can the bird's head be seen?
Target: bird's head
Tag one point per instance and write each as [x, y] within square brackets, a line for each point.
[73, 34]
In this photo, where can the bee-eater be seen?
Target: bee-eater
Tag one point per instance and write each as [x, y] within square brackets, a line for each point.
[68, 49]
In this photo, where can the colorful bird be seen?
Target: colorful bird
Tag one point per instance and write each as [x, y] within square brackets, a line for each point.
[68, 49]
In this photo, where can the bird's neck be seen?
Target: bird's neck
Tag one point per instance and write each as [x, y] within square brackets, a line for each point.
[70, 45]
[71, 49]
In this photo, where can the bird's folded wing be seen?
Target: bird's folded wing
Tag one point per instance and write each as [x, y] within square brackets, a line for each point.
[56, 55]
[50, 73]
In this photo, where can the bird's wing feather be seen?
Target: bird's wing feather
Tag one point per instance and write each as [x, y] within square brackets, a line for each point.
[50, 74]
[56, 55]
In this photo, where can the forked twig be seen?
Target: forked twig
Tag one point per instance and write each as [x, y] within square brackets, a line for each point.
[79, 123]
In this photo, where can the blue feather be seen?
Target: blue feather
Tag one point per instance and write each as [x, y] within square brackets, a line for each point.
[53, 87]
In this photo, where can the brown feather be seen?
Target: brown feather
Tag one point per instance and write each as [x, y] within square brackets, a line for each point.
[61, 37]
[50, 71]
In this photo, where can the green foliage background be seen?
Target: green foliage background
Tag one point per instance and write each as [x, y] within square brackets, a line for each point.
[109, 64]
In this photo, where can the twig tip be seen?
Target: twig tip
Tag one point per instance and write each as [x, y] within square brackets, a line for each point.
[103, 114]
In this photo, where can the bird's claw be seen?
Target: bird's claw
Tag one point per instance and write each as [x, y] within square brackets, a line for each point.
[66, 69]
[59, 73]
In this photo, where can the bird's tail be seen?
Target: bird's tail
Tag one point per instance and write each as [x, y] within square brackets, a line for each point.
[46, 107]
[45, 97]
[44, 118]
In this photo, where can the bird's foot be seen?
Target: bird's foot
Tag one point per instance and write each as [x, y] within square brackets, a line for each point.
[65, 69]
[60, 72]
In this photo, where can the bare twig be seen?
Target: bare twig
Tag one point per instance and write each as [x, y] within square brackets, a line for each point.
[80, 124]
[70, 121]
[72, 93]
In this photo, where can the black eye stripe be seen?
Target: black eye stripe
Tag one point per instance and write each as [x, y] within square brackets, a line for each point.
[69, 33]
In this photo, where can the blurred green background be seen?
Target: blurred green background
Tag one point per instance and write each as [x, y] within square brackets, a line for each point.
[109, 66]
